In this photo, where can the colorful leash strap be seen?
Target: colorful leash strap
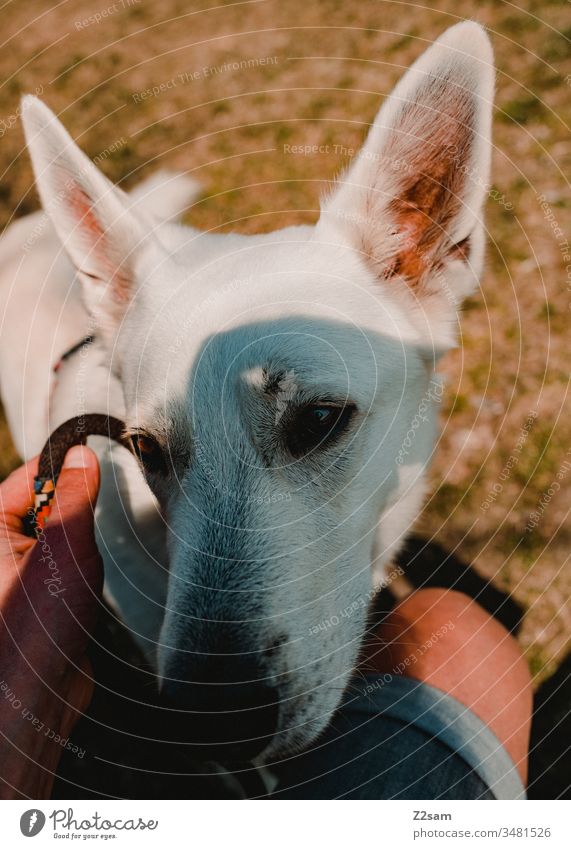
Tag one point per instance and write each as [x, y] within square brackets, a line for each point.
[72, 432]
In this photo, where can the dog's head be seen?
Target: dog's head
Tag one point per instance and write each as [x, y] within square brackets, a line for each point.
[280, 390]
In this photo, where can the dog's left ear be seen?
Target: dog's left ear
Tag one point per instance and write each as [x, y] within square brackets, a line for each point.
[411, 202]
[92, 217]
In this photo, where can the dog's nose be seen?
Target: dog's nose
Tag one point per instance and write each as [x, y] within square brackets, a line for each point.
[226, 712]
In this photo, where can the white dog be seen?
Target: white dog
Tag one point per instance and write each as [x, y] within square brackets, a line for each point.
[279, 390]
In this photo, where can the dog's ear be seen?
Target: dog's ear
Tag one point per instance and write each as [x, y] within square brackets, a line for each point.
[91, 215]
[411, 202]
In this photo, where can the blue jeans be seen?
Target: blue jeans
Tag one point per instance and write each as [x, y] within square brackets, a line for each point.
[397, 738]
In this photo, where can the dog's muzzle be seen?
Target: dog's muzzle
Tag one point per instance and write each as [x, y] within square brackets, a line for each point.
[227, 712]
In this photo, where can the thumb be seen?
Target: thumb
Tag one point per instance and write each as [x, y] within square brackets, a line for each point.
[76, 493]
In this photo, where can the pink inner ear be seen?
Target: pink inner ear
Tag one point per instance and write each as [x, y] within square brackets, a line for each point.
[107, 271]
[434, 140]
[422, 213]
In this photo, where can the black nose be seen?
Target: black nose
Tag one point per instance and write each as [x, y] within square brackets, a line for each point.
[226, 712]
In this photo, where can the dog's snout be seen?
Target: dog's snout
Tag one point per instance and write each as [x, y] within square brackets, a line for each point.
[223, 707]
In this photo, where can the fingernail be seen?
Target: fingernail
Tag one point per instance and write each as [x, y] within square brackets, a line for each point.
[76, 458]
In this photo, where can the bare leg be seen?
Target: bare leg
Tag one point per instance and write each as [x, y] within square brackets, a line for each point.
[473, 659]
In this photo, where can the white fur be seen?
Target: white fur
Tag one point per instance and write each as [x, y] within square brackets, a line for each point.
[187, 325]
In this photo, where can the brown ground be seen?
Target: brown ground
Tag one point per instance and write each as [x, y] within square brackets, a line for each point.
[334, 62]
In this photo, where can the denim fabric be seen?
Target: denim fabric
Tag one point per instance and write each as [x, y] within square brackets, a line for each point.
[401, 739]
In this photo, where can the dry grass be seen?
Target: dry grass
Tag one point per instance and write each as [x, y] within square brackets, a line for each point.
[334, 62]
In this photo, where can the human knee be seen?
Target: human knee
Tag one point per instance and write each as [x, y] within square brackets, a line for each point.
[459, 631]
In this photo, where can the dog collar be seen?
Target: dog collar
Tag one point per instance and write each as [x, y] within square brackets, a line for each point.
[87, 340]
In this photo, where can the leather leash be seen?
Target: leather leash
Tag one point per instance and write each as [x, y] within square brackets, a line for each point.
[72, 432]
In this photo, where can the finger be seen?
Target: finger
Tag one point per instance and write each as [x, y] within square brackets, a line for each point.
[71, 519]
[17, 494]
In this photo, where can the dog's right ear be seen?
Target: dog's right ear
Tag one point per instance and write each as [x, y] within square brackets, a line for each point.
[411, 202]
[91, 215]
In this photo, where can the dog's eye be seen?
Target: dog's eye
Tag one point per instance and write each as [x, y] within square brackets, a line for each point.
[314, 426]
[149, 453]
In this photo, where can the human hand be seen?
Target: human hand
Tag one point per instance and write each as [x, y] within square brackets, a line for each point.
[50, 588]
